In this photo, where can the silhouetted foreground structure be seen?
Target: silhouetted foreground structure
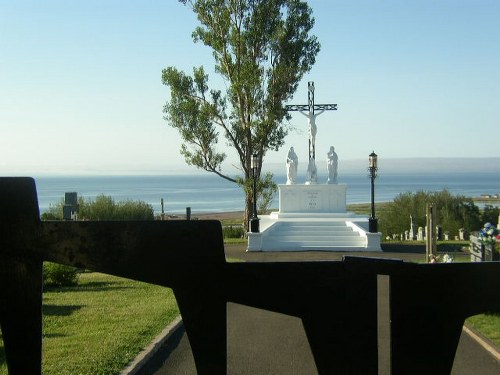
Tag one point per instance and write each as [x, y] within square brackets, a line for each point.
[337, 301]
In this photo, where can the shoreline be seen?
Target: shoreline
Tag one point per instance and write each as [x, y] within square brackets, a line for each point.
[238, 215]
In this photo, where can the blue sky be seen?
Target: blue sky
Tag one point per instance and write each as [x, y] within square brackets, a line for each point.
[81, 92]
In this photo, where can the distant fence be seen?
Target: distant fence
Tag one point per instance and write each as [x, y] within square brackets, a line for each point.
[336, 300]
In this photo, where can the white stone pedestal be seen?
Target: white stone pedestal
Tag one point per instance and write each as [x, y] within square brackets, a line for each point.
[312, 198]
[313, 217]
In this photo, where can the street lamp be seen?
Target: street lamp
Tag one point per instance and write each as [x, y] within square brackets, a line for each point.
[372, 168]
[254, 221]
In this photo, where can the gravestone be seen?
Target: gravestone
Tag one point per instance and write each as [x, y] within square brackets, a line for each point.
[420, 234]
[70, 208]
[461, 234]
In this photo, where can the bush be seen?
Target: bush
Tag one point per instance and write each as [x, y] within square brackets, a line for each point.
[50, 216]
[490, 214]
[233, 232]
[59, 275]
[104, 207]
[134, 210]
[55, 211]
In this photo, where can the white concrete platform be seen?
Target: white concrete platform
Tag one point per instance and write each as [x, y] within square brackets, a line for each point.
[312, 218]
[329, 232]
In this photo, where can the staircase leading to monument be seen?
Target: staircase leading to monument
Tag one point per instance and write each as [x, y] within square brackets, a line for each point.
[313, 217]
[313, 235]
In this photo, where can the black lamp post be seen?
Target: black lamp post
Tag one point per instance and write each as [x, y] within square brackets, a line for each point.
[372, 168]
[254, 221]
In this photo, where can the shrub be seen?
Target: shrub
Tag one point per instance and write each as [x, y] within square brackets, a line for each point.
[55, 274]
[50, 216]
[490, 214]
[233, 232]
[134, 210]
[55, 211]
[104, 207]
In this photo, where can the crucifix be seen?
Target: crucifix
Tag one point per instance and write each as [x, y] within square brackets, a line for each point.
[308, 110]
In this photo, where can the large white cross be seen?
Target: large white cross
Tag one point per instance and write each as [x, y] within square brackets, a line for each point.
[308, 110]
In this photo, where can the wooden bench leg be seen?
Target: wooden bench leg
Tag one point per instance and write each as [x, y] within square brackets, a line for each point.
[21, 315]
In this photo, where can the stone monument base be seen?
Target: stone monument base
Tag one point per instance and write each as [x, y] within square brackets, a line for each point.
[312, 198]
[311, 218]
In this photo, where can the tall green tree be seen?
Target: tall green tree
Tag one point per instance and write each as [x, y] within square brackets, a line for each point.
[261, 49]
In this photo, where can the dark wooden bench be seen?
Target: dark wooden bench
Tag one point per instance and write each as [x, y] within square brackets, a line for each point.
[337, 301]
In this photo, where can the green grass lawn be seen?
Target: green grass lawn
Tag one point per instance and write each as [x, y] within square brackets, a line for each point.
[100, 325]
[235, 240]
[488, 325]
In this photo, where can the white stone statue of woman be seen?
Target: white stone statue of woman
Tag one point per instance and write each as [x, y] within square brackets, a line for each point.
[292, 162]
[332, 163]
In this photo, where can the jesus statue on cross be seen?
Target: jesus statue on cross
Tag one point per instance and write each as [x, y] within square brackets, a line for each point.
[308, 111]
[313, 129]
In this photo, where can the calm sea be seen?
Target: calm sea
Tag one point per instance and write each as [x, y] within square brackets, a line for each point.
[209, 193]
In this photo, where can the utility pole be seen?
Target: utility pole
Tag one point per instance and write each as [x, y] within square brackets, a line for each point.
[430, 233]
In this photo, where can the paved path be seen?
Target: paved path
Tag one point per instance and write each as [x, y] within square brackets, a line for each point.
[263, 342]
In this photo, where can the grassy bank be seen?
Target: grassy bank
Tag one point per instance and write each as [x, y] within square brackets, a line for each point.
[100, 325]
[488, 325]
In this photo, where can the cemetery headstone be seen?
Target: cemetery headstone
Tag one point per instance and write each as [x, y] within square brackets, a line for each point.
[70, 208]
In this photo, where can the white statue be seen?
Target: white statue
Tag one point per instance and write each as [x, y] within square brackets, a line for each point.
[292, 162]
[312, 172]
[313, 129]
[332, 163]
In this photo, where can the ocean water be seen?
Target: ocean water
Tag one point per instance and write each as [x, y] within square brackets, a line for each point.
[210, 193]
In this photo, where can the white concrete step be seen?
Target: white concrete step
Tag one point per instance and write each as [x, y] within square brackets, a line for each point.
[313, 224]
[313, 235]
[315, 244]
[296, 235]
[309, 236]
[316, 231]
